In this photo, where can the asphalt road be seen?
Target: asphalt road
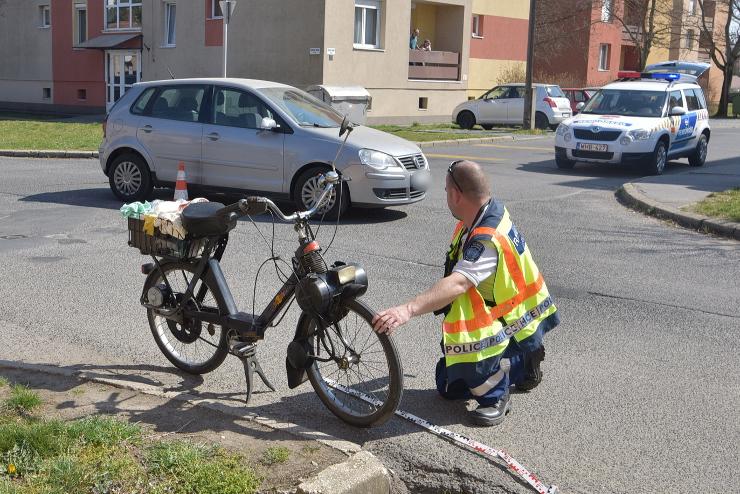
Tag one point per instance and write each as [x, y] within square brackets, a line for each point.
[641, 389]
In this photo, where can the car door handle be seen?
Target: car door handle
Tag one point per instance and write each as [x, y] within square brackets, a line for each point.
[214, 136]
[147, 128]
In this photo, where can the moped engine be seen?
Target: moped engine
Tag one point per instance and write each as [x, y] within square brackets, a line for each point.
[157, 295]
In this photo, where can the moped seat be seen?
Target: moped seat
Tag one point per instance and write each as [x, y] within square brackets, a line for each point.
[203, 219]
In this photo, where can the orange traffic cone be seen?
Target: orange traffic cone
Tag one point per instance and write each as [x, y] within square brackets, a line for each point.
[181, 187]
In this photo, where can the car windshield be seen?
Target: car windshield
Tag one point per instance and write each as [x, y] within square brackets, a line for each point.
[302, 107]
[626, 102]
[555, 92]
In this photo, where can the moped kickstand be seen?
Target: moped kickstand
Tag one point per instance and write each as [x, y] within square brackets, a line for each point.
[247, 353]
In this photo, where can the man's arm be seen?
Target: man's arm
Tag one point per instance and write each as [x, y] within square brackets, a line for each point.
[439, 295]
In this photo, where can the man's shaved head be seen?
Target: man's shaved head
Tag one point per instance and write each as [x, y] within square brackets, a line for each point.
[469, 177]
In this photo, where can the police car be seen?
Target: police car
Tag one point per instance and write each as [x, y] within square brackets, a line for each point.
[642, 118]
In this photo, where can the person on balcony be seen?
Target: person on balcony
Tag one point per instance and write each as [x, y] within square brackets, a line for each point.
[414, 40]
[427, 46]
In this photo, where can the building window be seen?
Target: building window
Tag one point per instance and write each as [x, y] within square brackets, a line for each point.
[423, 103]
[44, 16]
[367, 24]
[692, 7]
[46, 92]
[216, 10]
[122, 14]
[80, 21]
[606, 10]
[604, 53]
[689, 42]
[477, 27]
[82, 94]
[170, 10]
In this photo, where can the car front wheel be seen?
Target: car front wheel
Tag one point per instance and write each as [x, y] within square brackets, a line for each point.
[129, 178]
[307, 191]
[699, 156]
[656, 162]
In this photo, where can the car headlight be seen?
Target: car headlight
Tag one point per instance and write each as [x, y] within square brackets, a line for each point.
[640, 134]
[562, 129]
[377, 160]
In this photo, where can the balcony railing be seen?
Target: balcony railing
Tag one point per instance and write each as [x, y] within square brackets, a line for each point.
[630, 33]
[437, 65]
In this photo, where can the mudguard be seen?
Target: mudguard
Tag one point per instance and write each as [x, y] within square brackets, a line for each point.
[296, 361]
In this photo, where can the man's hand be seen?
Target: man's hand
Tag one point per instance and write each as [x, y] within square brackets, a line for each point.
[388, 320]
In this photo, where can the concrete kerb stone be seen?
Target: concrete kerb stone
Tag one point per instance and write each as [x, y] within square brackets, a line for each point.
[40, 153]
[630, 195]
[361, 473]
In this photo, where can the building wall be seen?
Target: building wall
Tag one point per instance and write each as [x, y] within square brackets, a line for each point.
[502, 45]
[561, 53]
[385, 72]
[25, 51]
[609, 33]
[77, 69]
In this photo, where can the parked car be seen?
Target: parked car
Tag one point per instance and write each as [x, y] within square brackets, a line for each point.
[505, 105]
[578, 95]
[248, 135]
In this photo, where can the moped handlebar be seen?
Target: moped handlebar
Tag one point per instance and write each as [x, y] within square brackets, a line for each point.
[255, 205]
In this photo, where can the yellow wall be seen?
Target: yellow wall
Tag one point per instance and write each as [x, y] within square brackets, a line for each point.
[424, 17]
[483, 74]
[517, 9]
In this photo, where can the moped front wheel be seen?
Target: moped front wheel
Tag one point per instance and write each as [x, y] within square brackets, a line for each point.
[191, 345]
[361, 379]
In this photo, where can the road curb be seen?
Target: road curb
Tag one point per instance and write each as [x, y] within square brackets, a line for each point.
[40, 153]
[477, 140]
[629, 195]
[361, 473]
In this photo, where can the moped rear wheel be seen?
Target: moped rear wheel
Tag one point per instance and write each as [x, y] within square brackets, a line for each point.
[193, 346]
[364, 363]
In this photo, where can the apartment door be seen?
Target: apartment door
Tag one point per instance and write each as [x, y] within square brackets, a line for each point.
[122, 70]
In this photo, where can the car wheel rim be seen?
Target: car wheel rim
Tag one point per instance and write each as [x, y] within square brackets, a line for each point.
[311, 192]
[703, 150]
[660, 159]
[127, 178]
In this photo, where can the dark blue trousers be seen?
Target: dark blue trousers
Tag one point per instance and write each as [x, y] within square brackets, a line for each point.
[460, 389]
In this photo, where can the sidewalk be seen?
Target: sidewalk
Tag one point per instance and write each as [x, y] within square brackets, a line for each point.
[667, 196]
[312, 464]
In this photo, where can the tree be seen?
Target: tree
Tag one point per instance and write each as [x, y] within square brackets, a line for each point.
[721, 40]
[646, 23]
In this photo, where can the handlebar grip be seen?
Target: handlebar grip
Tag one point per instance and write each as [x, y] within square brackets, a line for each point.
[253, 206]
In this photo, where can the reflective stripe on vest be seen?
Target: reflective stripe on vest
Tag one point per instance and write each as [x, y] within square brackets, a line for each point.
[502, 335]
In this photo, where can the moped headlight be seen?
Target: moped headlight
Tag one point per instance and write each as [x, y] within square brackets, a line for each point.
[377, 160]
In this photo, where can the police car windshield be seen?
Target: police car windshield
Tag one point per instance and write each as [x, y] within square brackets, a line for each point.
[626, 102]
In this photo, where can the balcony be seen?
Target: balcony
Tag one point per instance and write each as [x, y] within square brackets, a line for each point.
[630, 33]
[435, 65]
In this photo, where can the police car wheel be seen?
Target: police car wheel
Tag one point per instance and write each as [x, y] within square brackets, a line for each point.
[699, 156]
[564, 163]
[656, 162]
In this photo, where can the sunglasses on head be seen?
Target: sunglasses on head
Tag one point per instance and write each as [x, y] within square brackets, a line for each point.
[450, 171]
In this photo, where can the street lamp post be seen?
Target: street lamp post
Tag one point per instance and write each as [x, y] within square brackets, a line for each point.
[227, 10]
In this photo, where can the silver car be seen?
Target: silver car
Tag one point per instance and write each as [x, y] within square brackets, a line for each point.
[252, 136]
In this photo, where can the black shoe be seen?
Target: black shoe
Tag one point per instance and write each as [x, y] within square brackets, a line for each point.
[532, 371]
[493, 414]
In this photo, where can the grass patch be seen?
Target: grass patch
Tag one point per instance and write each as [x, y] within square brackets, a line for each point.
[721, 204]
[3, 382]
[101, 454]
[277, 454]
[26, 132]
[437, 132]
[22, 399]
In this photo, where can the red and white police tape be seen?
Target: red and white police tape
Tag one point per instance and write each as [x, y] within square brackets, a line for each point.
[459, 439]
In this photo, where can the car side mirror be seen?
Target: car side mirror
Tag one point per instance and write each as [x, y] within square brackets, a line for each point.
[268, 123]
[580, 106]
[678, 111]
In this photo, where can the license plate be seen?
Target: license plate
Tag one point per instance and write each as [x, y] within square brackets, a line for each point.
[566, 115]
[584, 146]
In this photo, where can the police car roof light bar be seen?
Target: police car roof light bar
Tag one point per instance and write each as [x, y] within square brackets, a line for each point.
[628, 74]
[666, 76]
